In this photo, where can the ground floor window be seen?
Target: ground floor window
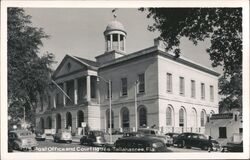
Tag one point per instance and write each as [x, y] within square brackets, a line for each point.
[240, 130]
[108, 119]
[125, 118]
[142, 117]
[222, 132]
[181, 117]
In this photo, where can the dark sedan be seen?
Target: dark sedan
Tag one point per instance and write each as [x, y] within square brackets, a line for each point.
[140, 144]
[189, 140]
[93, 138]
[233, 147]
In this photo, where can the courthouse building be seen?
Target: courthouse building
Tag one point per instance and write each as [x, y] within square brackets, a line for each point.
[172, 94]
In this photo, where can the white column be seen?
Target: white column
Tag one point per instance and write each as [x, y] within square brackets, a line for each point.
[119, 42]
[65, 90]
[124, 43]
[88, 89]
[75, 91]
[111, 42]
[54, 101]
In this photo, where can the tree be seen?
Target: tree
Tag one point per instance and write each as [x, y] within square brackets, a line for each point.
[222, 26]
[28, 72]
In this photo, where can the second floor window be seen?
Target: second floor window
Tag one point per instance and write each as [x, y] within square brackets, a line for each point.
[141, 83]
[124, 89]
[182, 86]
[211, 93]
[169, 82]
[192, 89]
[202, 91]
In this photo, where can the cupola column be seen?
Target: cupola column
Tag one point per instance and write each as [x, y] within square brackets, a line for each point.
[111, 42]
[119, 41]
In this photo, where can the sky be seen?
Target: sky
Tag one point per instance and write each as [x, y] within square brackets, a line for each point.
[79, 32]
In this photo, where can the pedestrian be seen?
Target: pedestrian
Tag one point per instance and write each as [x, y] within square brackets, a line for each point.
[210, 145]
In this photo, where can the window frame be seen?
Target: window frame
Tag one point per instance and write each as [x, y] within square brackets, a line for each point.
[122, 87]
[144, 88]
[182, 86]
[169, 82]
[211, 90]
[193, 88]
[203, 91]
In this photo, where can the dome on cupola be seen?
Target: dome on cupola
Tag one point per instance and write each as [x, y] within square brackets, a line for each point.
[115, 26]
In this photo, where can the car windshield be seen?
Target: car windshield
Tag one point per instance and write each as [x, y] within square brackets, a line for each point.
[23, 134]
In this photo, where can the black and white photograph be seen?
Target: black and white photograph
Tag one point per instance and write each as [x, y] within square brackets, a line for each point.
[125, 80]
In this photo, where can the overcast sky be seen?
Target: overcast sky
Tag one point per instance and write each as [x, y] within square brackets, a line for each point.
[79, 32]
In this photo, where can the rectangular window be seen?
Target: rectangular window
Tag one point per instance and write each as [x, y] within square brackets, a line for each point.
[124, 88]
[202, 91]
[192, 89]
[240, 130]
[211, 93]
[141, 83]
[108, 89]
[222, 132]
[182, 86]
[169, 82]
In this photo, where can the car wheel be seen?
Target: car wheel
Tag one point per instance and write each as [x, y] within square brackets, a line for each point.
[33, 148]
[16, 146]
[204, 147]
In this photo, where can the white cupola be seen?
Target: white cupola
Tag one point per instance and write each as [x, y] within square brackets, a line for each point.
[115, 36]
[115, 40]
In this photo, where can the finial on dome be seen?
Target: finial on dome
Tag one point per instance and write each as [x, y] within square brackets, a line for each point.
[114, 13]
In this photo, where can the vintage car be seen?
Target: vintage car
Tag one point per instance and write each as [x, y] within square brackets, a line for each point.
[152, 133]
[63, 136]
[232, 147]
[139, 144]
[93, 138]
[189, 140]
[40, 136]
[170, 137]
[21, 140]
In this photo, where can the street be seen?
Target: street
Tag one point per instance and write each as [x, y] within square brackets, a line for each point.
[50, 146]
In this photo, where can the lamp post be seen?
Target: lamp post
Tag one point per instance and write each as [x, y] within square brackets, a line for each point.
[136, 83]
[110, 107]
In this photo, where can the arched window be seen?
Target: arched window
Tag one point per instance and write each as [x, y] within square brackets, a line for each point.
[49, 123]
[194, 118]
[68, 120]
[41, 123]
[202, 118]
[125, 117]
[169, 116]
[58, 122]
[108, 120]
[80, 118]
[142, 117]
[181, 117]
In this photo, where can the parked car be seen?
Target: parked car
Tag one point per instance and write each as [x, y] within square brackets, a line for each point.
[10, 147]
[152, 132]
[189, 140]
[232, 147]
[21, 140]
[63, 136]
[93, 138]
[140, 144]
[131, 134]
[40, 136]
[170, 138]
